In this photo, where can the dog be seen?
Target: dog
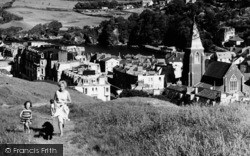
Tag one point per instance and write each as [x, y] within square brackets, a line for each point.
[47, 130]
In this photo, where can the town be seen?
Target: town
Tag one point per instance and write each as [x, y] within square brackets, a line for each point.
[215, 77]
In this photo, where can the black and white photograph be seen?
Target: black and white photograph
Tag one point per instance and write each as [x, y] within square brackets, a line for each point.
[124, 77]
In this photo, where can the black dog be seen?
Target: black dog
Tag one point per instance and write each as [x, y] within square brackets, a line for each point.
[47, 130]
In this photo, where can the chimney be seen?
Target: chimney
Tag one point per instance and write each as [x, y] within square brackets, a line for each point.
[196, 90]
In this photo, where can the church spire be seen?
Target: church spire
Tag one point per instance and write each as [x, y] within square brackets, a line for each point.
[196, 40]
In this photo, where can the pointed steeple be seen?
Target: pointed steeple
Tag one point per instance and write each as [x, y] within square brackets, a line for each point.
[196, 40]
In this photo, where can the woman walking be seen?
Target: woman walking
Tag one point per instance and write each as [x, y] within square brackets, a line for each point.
[62, 98]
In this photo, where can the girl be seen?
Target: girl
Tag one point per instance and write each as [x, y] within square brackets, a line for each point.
[26, 116]
[52, 107]
[62, 98]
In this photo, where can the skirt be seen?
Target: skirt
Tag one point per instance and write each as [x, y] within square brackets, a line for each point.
[62, 112]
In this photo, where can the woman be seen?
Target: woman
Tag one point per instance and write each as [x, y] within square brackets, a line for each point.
[62, 98]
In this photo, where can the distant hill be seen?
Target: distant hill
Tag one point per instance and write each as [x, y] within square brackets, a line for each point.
[14, 91]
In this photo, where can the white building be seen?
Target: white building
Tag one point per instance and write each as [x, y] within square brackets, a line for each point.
[154, 81]
[79, 50]
[108, 64]
[38, 43]
[225, 56]
[226, 33]
[61, 66]
[99, 89]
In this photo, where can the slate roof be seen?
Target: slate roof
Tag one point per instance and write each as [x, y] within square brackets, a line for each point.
[176, 57]
[209, 94]
[236, 38]
[217, 69]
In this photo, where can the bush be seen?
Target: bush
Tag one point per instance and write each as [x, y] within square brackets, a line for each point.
[133, 93]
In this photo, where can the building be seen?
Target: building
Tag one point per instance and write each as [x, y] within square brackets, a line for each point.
[87, 81]
[99, 90]
[225, 33]
[194, 60]
[138, 77]
[35, 64]
[176, 60]
[146, 3]
[77, 49]
[107, 64]
[223, 77]
[59, 67]
[236, 41]
[38, 43]
[224, 56]
[207, 96]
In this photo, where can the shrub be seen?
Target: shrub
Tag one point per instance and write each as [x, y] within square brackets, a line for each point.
[133, 93]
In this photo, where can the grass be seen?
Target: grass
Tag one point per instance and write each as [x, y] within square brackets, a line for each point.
[130, 128]
[32, 17]
[136, 126]
[14, 91]
[10, 130]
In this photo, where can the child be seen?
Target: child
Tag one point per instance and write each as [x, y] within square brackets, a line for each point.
[26, 116]
[52, 107]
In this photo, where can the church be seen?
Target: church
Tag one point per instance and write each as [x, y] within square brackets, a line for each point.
[220, 76]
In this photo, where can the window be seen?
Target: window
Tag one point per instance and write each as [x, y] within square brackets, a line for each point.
[160, 78]
[92, 89]
[107, 89]
[233, 86]
[197, 58]
[86, 90]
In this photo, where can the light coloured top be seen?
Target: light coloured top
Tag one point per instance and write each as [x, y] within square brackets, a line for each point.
[62, 97]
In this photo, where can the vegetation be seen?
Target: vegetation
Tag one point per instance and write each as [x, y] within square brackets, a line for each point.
[133, 128]
[133, 93]
[8, 129]
[100, 3]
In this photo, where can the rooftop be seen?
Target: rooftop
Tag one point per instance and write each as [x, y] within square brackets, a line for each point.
[209, 94]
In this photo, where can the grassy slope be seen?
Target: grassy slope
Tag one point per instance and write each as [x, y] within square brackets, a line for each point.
[137, 128]
[14, 91]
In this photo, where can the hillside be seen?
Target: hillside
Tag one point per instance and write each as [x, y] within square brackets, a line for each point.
[14, 91]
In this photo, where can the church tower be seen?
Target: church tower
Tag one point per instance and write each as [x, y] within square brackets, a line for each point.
[194, 60]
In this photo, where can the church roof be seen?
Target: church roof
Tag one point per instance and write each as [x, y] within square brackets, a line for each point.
[217, 69]
[196, 40]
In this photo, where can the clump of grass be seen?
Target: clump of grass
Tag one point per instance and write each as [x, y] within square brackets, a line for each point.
[140, 129]
[11, 131]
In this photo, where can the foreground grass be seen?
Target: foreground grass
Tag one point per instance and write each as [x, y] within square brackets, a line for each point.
[130, 128]
[11, 131]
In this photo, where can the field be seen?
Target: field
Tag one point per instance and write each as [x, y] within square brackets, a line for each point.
[43, 4]
[37, 11]
[4, 1]
[32, 17]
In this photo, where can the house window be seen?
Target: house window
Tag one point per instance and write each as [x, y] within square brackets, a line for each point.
[233, 86]
[160, 78]
[86, 90]
[107, 89]
[196, 58]
[92, 89]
